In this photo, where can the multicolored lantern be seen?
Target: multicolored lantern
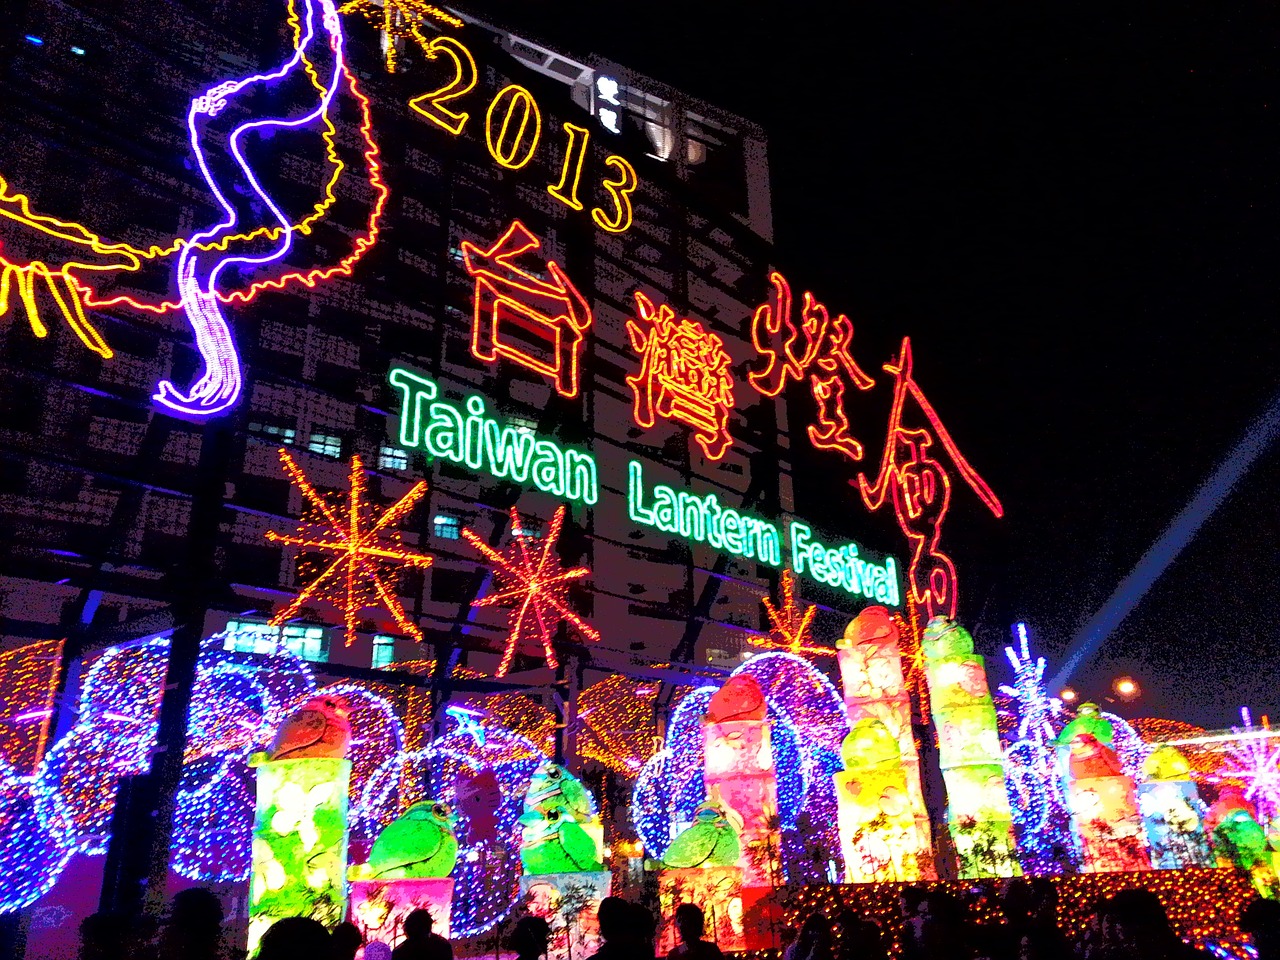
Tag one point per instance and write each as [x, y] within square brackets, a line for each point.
[1170, 805]
[877, 824]
[1104, 807]
[978, 813]
[870, 659]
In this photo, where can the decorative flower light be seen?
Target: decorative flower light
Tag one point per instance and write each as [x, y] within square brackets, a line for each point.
[362, 546]
[790, 630]
[530, 575]
[1255, 762]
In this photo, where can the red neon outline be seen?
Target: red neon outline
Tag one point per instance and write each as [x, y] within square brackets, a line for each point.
[308, 278]
[921, 489]
[663, 361]
[491, 303]
[531, 575]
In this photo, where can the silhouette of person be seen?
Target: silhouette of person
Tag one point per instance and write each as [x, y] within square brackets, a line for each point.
[1261, 920]
[616, 920]
[1135, 925]
[529, 938]
[691, 924]
[814, 940]
[193, 928]
[347, 941]
[295, 938]
[860, 939]
[105, 936]
[645, 932]
[420, 943]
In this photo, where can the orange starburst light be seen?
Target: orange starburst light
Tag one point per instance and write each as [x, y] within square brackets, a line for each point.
[790, 631]
[365, 549]
[531, 579]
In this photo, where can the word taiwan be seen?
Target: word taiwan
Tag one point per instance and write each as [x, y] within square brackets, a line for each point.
[466, 435]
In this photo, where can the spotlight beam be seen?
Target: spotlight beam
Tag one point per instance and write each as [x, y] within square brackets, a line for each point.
[1180, 531]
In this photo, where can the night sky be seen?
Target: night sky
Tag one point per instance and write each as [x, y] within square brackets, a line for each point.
[1074, 214]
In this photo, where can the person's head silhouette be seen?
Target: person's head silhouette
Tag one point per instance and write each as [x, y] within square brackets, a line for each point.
[691, 923]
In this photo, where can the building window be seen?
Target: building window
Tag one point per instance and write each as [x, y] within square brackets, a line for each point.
[384, 651]
[274, 433]
[326, 444]
[527, 527]
[447, 526]
[523, 424]
[309, 643]
[393, 458]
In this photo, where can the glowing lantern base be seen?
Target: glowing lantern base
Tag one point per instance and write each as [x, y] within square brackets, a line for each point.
[1105, 813]
[299, 843]
[378, 907]
[985, 848]
[878, 835]
[717, 891]
[569, 903]
[1170, 815]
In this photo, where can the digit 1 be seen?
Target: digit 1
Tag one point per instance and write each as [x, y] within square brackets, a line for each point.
[571, 172]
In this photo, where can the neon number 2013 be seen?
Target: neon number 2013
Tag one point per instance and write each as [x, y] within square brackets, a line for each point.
[504, 147]
[430, 104]
[620, 190]
[574, 153]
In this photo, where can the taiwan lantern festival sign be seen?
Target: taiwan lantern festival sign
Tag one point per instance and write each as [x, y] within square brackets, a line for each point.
[529, 311]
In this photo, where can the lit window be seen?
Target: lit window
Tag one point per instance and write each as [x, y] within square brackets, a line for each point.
[455, 250]
[527, 527]
[309, 643]
[326, 444]
[281, 435]
[447, 526]
[523, 424]
[384, 651]
[393, 458]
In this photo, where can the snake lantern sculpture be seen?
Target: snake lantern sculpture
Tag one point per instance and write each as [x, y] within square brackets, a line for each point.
[44, 257]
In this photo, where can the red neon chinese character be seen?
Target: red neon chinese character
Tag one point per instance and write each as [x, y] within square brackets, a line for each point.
[684, 376]
[536, 323]
[818, 348]
[921, 490]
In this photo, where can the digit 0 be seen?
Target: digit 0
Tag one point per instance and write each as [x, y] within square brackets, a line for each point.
[513, 109]
[430, 105]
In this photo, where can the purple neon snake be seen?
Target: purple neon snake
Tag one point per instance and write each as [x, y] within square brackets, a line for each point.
[200, 263]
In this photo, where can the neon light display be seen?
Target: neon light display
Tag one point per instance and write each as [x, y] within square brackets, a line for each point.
[430, 104]
[819, 348]
[619, 191]
[920, 489]
[571, 173]
[702, 519]
[530, 575]
[789, 625]
[684, 376]
[506, 150]
[512, 305]
[360, 545]
[480, 442]
[399, 20]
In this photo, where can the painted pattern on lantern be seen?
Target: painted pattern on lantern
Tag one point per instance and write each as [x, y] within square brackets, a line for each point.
[362, 546]
[920, 489]
[684, 375]
[877, 821]
[1171, 805]
[536, 323]
[818, 348]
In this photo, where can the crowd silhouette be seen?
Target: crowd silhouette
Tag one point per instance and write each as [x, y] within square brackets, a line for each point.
[1021, 923]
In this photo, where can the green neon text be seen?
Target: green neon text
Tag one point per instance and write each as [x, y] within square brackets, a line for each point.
[702, 519]
[842, 567]
[465, 435]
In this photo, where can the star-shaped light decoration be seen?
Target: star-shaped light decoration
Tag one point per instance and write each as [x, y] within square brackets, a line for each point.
[530, 577]
[790, 630]
[365, 549]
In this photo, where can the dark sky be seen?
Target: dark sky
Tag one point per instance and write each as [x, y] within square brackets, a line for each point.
[1074, 213]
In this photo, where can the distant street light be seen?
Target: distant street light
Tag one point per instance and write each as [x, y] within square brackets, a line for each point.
[1126, 688]
[1068, 695]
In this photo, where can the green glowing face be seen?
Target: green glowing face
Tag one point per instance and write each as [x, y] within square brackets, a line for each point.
[868, 744]
[943, 638]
